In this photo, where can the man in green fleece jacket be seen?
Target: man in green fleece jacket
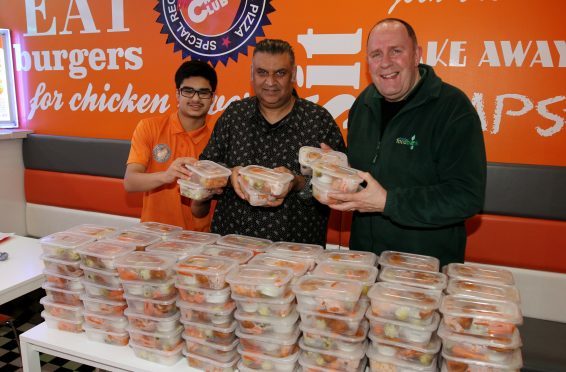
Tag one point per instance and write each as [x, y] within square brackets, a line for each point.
[420, 146]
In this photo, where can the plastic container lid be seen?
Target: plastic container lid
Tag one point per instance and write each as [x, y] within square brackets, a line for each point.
[344, 270]
[172, 318]
[157, 228]
[210, 327]
[238, 254]
[433, 326]
[215, 309]
[196, 237]
[403, 365]
[162, 353]
[193, 190]
[409, 261]
[397, 294]
[206, 265]
[67, 240]
[466, 288]
[76, 322]
[146, 260]
[92, 230]
[308, 155]
[324, 168]
[492, 342]
[257, 245]
[157, 334]
[289, 298]
[348, 256]
[176, 248]
[70, 267]
[515, 362]
[360, 335]
[304, 251]
[214, 365]
[135, 237]
[45, 301]
[432, 347]
[286, 321]
[291, 359]
[85, 298]
[356, 354]
[260, 275]
[357, 315]
[211, 345]
[298, 266]
[480, 273]
[106, 249]
[414, 278]
[507, 312]
[329, 288]
[266, 174]
[209, 169]
[288, 339]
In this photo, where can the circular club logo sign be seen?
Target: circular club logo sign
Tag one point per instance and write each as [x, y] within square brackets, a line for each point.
[213, 30]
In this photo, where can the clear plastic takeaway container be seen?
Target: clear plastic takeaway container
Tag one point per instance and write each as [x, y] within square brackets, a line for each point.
[466, 288]
[104, 277]
[343, 270]
[209, 174]
[71, 283]
[321, 191]
[205, 271]
[150, 323]
[221, 315]
[308, 155]
[137, 238]
[196, 237]
[238, 254]
[95, 290]
[278, 307]
[480, 317]
[378, 362]
[257, 281]
[113, 323]
[340, 178]
[307, 366]
[164, 341]
[260, 362]
[63, 245]
[218, 353]
[320, 339]
[454, 364]
[278, 347]
[167, 358]
[298, 266]
[255, 198]
[480, 273]
[409, 261]
[414, 278]
[407, 304]
[69, 312]
[146, 266]
[407, 352]
[93, 230]
[100, 306]
[152, 290]
[402, 331]
[266, 325]
[62, 296]
[175, 248]
[198, 295]
[478, 348]
[336, 296]
[118, 338]
[224, 336]
[306, 252]
[210, 365]
[62, 267]
[102, 254]
[348, 256]
[157, 228]
[264, 179]
[161, 308]
[62, 324]
[256, 245]
[193, 190]
[334, 359]
[346, 325]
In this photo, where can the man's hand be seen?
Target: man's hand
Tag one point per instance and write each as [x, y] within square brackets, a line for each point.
[297, 183]
[370, 199]
[177, 170]
[235, 181]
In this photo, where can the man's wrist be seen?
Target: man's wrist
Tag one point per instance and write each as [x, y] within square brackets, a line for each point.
[305, 192]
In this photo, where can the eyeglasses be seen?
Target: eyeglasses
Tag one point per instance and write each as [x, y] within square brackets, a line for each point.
[202, 93]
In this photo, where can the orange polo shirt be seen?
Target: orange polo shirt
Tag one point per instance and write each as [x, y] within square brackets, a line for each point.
[156, 143]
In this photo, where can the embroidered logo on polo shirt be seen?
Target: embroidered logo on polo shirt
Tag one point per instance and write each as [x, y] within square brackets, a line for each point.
[161, 153]
[412, 142]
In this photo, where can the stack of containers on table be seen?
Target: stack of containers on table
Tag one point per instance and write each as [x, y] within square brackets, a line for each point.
[63, 286]
[403, 315]
[268, 324]
[332, 304]
[480, 316]
[207, 312]
[150, 294]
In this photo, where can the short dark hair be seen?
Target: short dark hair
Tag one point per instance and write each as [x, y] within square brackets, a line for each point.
[275, 46]
[408, 27]
[196, 68]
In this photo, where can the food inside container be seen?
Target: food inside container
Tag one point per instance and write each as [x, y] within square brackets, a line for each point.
[176, 248]
[379, 362]
[196, 237]
[63, 245]
[139, 239]
[198, 295]
[450, 363]
[255, 197]
[262, 362]
[278, 347]
[62, 296]
[167, 358]
[162, 308]
[402, 331]
[93, 230]
[103, 277]
[152, 290]
[257, 281]
[106, 336]
[194, 191]
[238, 254]
[327, 295]
[308, 155]
[348, 256]
[209, 364]
[165, 341]
[480, 273]
[267, 326]
[113, 323]
[265, 180]
[62, 267]
[344, 270]
[321, 191]
[409, 261]
[414, 278]
[345, 325]
[277, 307]
[256, 245]
[323, 340]
[67, 325]
[218, 353]
[334, 359]
[101, 306]
[209, 174]
[56, 280]
[63, 311]
[157, 228]
[152, 324]
[408, 352]
[307, 366]
[102, 291]
[223, 336]
[102, 254]
[298, 266]
[146, 266]
[338, 178]
[305, 252]
[466, 288]
[204, 271]
[221, 315]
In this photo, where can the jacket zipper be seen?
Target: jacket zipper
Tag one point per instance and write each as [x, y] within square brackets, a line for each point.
[376, 152]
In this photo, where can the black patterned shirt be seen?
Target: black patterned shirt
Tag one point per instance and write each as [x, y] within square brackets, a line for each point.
[242, 137]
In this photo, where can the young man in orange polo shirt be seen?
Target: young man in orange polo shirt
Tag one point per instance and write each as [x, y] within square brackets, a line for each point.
[161, 146]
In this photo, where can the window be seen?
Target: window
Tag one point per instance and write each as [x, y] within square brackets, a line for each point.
[8, 107]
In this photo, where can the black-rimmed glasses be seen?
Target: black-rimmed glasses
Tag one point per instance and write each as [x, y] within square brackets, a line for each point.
[190, 93]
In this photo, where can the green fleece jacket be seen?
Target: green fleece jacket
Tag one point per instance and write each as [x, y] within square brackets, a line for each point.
[432, 162]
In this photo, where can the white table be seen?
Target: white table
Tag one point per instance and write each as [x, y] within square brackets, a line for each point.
[77, 347]
[22, 272]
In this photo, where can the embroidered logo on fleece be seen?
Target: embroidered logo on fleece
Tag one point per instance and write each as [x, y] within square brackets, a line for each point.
[412, 142]
[161, 153]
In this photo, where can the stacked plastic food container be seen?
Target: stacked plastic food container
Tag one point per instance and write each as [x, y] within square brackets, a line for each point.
[403, 314]
[256, 245]
[205, 177]
[480, 318]
[207, 312]
[329, 177]
[307, 253]
[262, 184]
[150, 293]
[308, 155]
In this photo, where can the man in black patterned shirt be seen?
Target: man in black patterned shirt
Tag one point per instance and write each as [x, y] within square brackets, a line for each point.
[268, 129]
